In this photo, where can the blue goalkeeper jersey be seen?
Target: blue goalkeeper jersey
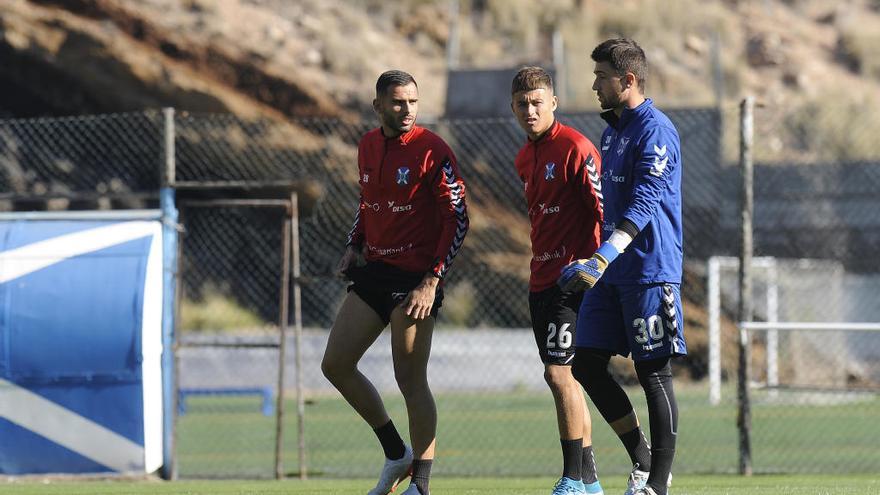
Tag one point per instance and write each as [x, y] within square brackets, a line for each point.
[641, 182]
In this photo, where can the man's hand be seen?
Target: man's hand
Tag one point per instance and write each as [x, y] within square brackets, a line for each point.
[352, 257]
[419, 301]
[582, 274]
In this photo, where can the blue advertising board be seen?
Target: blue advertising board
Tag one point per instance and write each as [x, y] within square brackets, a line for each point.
[82, 301]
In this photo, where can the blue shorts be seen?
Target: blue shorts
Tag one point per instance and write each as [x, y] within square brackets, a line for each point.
[645, 320]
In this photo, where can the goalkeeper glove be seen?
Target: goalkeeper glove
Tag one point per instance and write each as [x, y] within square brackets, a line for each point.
[583, 274]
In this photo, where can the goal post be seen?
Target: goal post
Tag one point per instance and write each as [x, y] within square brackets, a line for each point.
[716, 265]
[785, 289]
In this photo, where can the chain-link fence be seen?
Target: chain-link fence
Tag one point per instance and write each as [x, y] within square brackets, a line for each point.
[95, 162]
[495, 413]
[814, 338]
[228, 350]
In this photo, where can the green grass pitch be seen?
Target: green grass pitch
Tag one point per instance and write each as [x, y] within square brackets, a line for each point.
[514, 434]
[506, 443]
[683, 485]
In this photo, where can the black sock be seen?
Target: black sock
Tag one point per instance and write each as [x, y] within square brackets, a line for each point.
[572, 450]
[421, 474]
[391, 442]
[637, 448]
[588, 465]
[662, 459]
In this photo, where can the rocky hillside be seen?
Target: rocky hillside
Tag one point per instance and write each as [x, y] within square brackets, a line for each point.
[246, 57]
[320, 57]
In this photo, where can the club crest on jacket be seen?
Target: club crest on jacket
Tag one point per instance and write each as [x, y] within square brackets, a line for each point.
[403, 176]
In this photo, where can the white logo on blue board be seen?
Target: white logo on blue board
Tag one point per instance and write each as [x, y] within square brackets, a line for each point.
[403, 176]
[622, 146]
[550, 170]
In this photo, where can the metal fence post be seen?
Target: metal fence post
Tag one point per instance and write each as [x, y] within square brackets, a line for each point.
[169, 169]
[297, 328]
[454, 44]
[744, 419]
[282, 348]
[171, 276]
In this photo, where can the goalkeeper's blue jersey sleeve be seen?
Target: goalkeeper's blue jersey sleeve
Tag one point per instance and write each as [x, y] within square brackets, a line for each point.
[641, 182]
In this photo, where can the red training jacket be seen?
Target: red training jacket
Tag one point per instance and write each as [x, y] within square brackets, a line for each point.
[561, 173]
[412, 211]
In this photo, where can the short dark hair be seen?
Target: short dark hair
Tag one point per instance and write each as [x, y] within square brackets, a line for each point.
[624, 55]
[531, 78]
[393, 78]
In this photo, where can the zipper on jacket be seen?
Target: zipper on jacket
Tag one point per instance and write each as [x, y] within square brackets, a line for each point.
[535, 168]
[382, 162]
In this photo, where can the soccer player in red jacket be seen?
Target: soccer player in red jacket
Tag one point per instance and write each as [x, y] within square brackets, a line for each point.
[560, 170]
[410, 224]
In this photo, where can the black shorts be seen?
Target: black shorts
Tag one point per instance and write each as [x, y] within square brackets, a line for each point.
[383, 287]
[554, 321]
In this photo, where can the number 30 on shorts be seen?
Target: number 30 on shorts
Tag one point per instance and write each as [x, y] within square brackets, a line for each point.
[563, 337]
[647, 330]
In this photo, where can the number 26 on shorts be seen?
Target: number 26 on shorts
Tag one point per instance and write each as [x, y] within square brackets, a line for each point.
[563, 336]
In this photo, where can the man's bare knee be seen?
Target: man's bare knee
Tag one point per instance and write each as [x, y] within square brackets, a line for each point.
[410, 379]
[335, 370]
[557, 377]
